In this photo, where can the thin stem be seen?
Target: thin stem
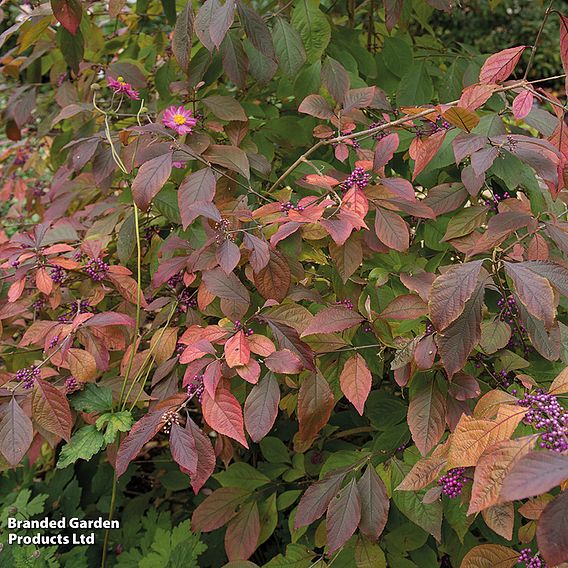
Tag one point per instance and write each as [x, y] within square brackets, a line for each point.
[536, 41]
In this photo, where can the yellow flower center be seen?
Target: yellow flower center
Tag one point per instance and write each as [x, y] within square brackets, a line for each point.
[179, 119]
[121, 81]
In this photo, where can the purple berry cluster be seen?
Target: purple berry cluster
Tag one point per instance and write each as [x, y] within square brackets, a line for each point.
[53, 342]
[186, 300]
[57, 274]
[289, 206]
[452, 482]
[346, 302]
[531, 560]
[28, 376]
[494, 201]
[71, 385]
[175, 280]
[546, 414]
[239, 326]
[196, 387]
[97, 269]
[358, 177]
[39, 304]
[74, 309]
[223, 231]
[429, 329]
[381, 134]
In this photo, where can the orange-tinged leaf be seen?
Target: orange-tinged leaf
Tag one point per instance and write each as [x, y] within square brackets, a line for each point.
[473, 436]
[522, 104]
[492, 469]
[422, 150]
[500, 519]
[490, 556]
[43, 281]
[315, 403]
[237, 350]
[476, 95]
[273, 281]
[355, 381]
[82, 365]
[405, 307]
[163, 344]
[224, 414]
[462, 118]
[500, 65]
[51, 410]
[560, 383]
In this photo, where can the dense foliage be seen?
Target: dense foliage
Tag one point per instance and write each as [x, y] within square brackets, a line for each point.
[282, 285]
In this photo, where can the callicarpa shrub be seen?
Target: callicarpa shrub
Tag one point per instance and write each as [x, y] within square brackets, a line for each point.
[282, 284]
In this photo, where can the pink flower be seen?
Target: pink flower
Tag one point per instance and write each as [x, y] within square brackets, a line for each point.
[120, 86]
[179, 119]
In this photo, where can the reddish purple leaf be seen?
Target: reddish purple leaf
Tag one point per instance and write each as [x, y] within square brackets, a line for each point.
[317, 497]
[552, 531]
[343, 516]
[315, 403]
[16, 433]
[224, 414]
[150, 178]
[535, 474]
[218, 509]
[243, 531]
[261, 407]
[333, 319]
[355, 381]
[182, 446]
[68, 13]
[500, 65]
[374, 504]
[284, 361]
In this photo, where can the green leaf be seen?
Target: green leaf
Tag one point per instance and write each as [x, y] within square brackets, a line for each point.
[415, 87]
[84, 444]
[288, 46]
[313, 26]
[242, 475]
[113, 423]
[72, 47]
[92, 398]
[274, 450]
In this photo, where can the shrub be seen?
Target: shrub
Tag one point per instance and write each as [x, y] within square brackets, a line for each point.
[290, 276]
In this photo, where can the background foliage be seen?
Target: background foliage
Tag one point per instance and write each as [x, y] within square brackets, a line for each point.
[284, 284]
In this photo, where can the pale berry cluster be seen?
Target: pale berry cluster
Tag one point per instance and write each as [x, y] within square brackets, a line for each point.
[28, 376]
[239, 326]
[358, 177]
[223, 231]
[452, 482]
[196, 387]
[346, 302]
[546, 414]
[57, 274]
[168, 418]
[531, 560]
[74, 309]
[289, 206]
[97, 269]
[71, 385]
